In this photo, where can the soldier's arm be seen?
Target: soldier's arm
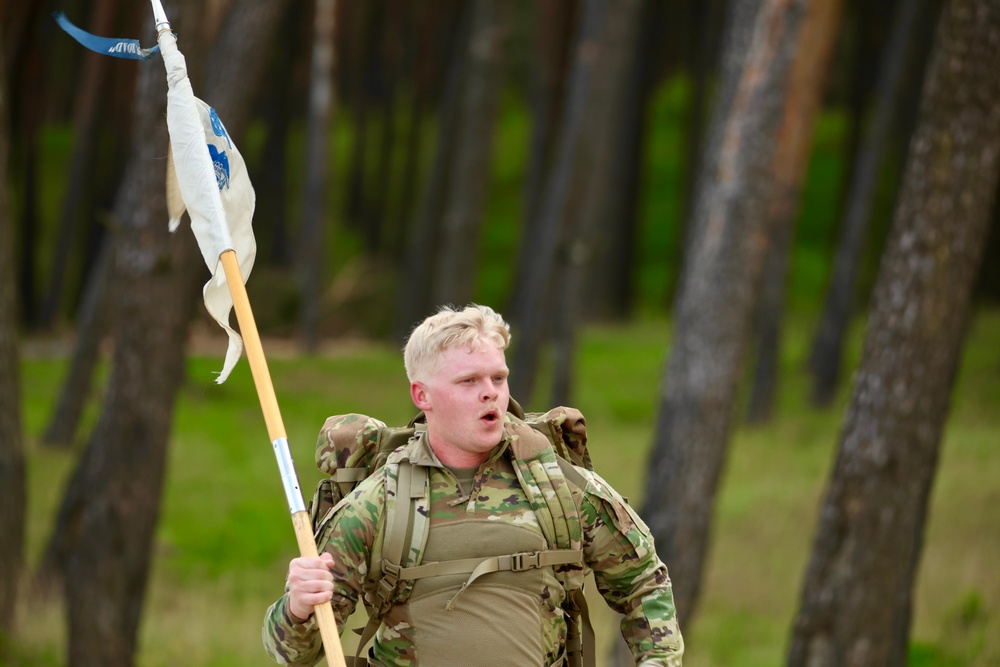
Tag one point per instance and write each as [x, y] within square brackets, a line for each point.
[630, 576]
[347, 536]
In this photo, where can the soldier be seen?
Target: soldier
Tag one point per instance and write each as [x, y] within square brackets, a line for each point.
[455, 362]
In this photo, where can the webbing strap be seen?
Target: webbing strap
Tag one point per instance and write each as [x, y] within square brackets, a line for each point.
[394, 538]
[366, 636]
[571, 473]
[349, 474]
[410, 484]
[518, 563]
[505, 563]
[581, 645]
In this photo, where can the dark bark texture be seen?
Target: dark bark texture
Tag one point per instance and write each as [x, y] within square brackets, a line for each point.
[838, 307]
[91, 328]
[553, 35]
[714, 308]
[12, 464]
[591, 230]
[414, 296]
[465, 198]
[91, 89]
[318, 173]
[856, 602]
[536, 287]
[802, 104]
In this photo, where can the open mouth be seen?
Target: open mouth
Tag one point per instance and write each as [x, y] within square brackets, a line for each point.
[490, 417]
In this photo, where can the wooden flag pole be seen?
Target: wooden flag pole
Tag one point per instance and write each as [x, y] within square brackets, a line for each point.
[276, 430]
[181, 110]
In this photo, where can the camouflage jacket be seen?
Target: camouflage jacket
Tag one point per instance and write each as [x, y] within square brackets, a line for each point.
[441, 619]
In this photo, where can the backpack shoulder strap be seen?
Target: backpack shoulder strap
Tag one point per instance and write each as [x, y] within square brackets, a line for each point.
[551, 482]
[406, 529]
[537, 467]
[572, 474]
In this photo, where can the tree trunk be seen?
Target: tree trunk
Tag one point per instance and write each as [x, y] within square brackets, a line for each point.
[279, 111]
[700, 52]
[25, 123]
[272, 196]
[413, 50]
[856, 601]
[314, 205]
[367, 35]
[988, 286]
[809, 75]
[588, 231]
[18, 20]
[612, 281]
[381, 221]
[108, 516]
[414, 300]
[13, 492]
[91, 326]
[738, 28]
[90, 90]
[828, 345]
[554, 20]
[730, 237]
[767, 325]
[536, 287]
[462, 217]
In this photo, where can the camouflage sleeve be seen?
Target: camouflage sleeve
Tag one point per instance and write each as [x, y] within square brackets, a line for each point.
[288, 642]
[633, 580]
[348, 534]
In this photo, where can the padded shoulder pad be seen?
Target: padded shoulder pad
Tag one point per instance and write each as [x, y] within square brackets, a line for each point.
[573, 429]
[526, 442]
[567, 429]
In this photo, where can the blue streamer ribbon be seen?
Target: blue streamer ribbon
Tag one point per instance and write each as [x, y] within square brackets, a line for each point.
[109, 46]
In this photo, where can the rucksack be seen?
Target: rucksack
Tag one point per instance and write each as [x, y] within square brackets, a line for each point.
[351, 447]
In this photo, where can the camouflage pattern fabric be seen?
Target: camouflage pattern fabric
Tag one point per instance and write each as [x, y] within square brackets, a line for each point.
[568, 428]
[616, 543]
[347, 441]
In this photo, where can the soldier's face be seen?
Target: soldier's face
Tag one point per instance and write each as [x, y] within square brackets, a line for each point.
[465, 400]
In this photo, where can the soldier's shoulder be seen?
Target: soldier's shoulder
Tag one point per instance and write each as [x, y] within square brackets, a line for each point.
[588, 482]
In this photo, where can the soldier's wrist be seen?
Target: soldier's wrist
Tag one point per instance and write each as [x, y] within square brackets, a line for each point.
[292, 617]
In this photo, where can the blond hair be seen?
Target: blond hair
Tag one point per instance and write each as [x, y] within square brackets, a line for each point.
[450, 328]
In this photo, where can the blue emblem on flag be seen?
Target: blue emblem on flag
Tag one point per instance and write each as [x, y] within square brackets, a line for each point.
[220, 161]
[218, 127]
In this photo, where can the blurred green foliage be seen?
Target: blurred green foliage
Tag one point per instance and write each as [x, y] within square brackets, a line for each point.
[350, 276]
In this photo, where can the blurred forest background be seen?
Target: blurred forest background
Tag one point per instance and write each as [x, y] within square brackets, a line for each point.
[701, 218]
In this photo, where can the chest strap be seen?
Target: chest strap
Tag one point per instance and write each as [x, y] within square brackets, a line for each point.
[477, 567]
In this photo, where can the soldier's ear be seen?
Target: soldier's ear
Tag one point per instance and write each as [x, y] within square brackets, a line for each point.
[420, 396]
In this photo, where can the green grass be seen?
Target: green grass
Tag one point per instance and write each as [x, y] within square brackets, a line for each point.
[224, 539]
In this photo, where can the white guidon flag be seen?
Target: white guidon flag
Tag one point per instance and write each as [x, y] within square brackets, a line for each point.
[207, 177]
